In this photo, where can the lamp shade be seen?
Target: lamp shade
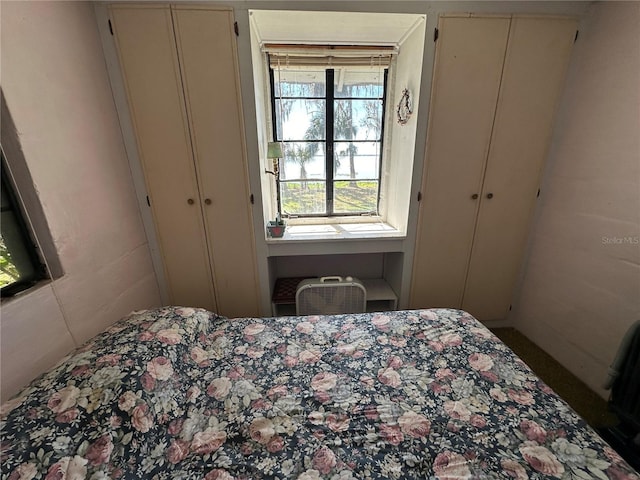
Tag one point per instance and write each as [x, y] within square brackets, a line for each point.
[274, 150]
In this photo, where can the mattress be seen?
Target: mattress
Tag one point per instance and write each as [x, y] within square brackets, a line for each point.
[182, 393]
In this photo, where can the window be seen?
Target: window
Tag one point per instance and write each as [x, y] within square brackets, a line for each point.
[330, 122]
[20, 266]
[286, 46]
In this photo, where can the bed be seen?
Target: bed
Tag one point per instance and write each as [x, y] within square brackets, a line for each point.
[182, 393]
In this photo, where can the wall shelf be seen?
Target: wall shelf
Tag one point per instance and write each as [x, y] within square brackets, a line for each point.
[380, 295]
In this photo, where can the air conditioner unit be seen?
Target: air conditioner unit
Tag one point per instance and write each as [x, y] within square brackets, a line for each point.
[330, 295]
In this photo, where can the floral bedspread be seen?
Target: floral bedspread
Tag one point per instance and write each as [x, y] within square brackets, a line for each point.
[181, 393]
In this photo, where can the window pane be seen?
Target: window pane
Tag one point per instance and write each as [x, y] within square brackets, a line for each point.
[360, 160]
[358, 119]
[303, 198]
[16, 264]
[299, 82]
[355, 197]
[301, 119]
[303, 160]
[362, 82]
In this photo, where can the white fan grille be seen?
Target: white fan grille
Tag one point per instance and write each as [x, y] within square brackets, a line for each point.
[329, 296]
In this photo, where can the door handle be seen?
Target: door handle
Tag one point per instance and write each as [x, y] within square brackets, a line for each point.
[474, 196]
[207, 201]
[489, 195]
[191, 201]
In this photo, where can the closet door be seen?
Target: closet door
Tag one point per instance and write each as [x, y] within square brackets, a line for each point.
[468, 65]
[533, 78]
[207, 50]
[146, 46]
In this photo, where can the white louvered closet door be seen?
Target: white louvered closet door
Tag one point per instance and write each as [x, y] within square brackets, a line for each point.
[149, 62]
[466, 82]
[497, 81]
[532, 82]
[180, 68]
[207, 50]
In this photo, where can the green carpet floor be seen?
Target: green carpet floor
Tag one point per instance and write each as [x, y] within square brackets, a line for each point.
[582, 399]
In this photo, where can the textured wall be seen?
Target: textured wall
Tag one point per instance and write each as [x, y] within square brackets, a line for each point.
[56, 87]
[581, 286]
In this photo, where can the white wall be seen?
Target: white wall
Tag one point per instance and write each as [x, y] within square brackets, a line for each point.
[56, 87]
[408, 74]
[581, 286]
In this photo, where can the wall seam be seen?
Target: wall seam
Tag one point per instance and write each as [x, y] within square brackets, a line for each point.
[64, 314]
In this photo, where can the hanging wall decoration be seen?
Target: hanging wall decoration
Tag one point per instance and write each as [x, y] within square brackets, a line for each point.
[405, 108]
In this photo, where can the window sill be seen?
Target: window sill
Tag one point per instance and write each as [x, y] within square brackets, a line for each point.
[337, 231]
[27, 291]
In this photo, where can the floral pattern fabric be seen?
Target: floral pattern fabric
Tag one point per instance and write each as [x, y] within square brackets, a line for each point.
[181, 393]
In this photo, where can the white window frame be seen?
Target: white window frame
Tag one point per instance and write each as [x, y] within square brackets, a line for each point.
[333, 63]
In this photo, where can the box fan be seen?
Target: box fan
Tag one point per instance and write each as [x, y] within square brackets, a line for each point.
[330, 295]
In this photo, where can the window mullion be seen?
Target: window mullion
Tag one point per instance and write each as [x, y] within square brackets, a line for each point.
[329, 150]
